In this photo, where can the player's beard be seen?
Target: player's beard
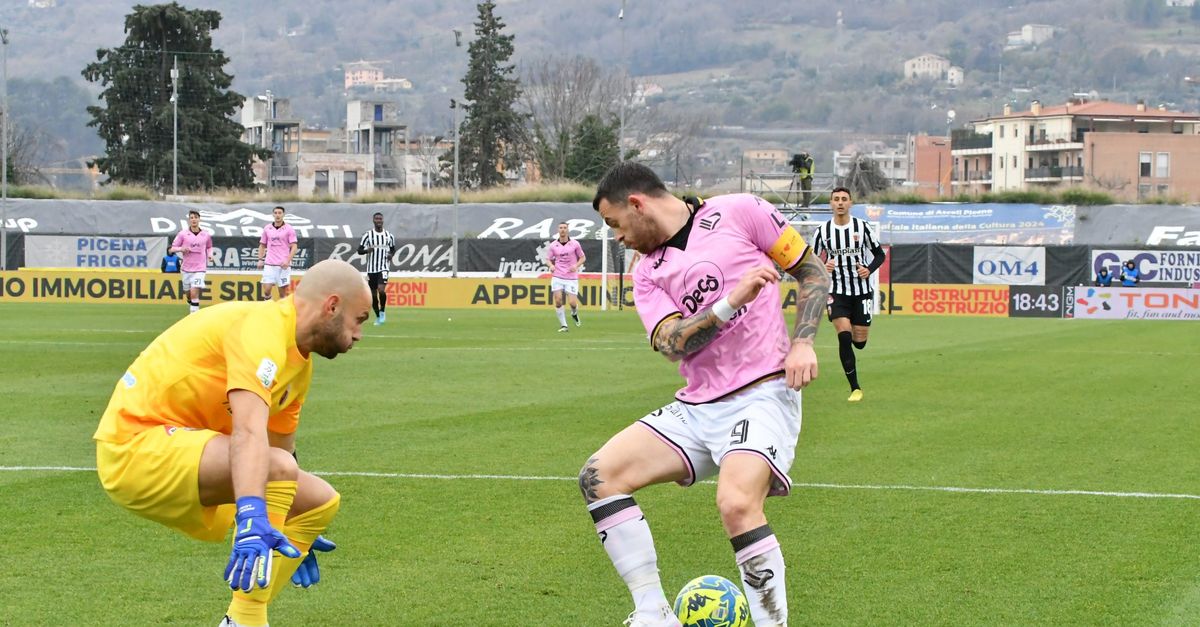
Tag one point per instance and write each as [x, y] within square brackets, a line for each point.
[329, 337]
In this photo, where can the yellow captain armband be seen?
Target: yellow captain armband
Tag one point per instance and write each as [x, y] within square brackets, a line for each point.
[789, 249]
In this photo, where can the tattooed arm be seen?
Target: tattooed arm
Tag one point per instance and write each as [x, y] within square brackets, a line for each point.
[812, 294]
[679, 337]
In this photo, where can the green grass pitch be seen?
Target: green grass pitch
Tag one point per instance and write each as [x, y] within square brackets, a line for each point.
[434, 404]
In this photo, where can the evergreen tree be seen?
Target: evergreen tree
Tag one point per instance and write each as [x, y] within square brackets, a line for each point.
[492, 134]
[593, 149]
[136, 122]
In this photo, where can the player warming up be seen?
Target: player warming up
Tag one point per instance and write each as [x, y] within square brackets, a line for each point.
[200, 432]
[378, 245]
[194, 245]
[843, 242]
[707, 293]
[276, 248]
[565, 257]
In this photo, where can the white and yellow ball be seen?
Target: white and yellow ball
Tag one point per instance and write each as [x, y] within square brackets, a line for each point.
[712, 601]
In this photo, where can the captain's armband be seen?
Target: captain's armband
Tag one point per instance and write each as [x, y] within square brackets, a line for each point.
[789, 249]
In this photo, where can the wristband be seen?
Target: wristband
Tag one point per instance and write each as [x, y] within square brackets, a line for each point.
[723, 310]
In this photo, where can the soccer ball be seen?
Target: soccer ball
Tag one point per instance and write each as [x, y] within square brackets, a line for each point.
[712, 601]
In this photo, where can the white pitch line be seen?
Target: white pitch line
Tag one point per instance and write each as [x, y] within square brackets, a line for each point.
[816, 486]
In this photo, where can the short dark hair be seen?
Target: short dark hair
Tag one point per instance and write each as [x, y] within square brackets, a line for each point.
[841, 189]
[279, 207]
[193, 212]
[627, 178]
[377, 213]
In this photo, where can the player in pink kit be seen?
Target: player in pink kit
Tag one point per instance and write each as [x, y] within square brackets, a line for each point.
[706, 292]
[194, 245]
[279, 243]
[565, 257]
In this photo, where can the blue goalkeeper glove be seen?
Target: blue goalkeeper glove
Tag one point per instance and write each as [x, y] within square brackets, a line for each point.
[308, 574]
[254, 543]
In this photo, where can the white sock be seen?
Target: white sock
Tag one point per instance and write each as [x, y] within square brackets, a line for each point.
[193, 307]
[761, 564]
[626, 538]
[562, 317]
[574, 312]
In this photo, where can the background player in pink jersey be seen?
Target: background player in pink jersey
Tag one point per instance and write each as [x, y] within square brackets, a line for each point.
[194, 245]
[275, 251]
[706, 292]
[565, 258]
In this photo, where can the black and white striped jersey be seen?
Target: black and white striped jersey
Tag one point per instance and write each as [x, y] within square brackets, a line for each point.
[379, 246]
[848, 245]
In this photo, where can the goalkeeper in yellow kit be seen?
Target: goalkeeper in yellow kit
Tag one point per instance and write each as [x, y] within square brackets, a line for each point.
[200, 432]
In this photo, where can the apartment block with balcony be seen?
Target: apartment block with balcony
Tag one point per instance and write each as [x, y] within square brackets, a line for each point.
[1128, 150]
[373, 127]
[269, 123]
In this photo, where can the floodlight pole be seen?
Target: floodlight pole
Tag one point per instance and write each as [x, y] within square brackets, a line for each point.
[454, 112]
[4, 152]
[624, 83]
[454, 246]
[175, 128]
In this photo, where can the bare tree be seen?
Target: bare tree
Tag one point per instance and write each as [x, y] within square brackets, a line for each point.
[429, 156]
[28, 150]
[558, 93]
[666, 139]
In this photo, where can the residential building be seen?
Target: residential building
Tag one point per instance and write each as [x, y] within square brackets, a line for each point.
[373, 127]
[929, 166]
[955, 76]
[926, 66]
[269, 123]
[370, 154]
[360, 73]
[1029, 35]
[1128, 150]
[766, 159]
[892, 161]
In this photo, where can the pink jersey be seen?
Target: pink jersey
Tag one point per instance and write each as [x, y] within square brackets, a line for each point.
[196, 247]
[564, 257]
[278, 242]
[725, 238]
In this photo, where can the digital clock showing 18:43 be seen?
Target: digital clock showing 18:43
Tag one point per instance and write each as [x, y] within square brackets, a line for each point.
[1033, 301]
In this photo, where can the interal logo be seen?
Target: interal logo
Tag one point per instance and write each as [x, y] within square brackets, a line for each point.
[701, 280]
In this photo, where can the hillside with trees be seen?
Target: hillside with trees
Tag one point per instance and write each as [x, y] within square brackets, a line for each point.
[733, 75]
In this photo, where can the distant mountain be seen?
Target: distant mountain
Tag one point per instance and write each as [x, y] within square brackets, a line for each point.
[833, 66]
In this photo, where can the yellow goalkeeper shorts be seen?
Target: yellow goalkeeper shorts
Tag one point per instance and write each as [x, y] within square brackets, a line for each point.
[156, 476]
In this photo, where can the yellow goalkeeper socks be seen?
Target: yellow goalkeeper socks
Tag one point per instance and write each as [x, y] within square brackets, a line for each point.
[250, 608]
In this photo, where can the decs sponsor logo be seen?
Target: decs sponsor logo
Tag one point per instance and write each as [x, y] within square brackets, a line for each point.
[702, 283]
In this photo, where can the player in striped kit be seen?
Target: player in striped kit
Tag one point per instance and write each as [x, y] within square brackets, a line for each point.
[378, 245]
[843, 242]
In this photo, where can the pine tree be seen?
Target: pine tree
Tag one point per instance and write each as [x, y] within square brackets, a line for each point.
[492, 134]
[593, 149]
[136, 122]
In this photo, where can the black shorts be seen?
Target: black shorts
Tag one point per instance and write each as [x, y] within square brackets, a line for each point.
[857, 308]
[376, 279]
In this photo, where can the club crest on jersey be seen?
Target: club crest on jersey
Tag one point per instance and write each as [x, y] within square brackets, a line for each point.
[266, 372]
[703, 283]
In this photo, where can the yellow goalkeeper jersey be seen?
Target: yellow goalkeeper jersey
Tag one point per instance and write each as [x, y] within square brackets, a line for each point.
[183, 378]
